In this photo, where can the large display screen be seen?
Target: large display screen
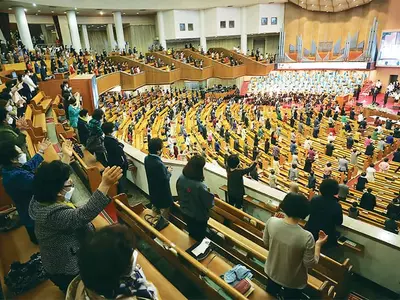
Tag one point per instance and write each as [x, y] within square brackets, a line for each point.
[389, 54]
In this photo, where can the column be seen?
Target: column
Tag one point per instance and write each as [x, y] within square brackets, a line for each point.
[110, 36]
[243, 35]
[23, 28]
[119, 30]
[85, 37]
[73, 29]
[161, 32]
[64, 28]
[203, 40]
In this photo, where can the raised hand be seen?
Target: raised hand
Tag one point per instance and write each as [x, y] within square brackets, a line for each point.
[21, 124]
[67, 148]
[322, 238]
[111, 176]
[43, 145]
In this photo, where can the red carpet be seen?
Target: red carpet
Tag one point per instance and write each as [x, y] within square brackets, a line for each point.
[366, 100]
[245, 88]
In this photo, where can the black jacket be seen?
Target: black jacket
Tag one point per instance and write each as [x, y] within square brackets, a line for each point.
[235, 181]
[368, 201]
[329, 149]
[361, 182]
[115, 152]
[370, 150]
[158, 178]
[325, 215]
[83, 131]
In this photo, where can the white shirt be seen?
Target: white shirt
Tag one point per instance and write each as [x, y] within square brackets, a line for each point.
[307, 144]
[27, 79]
[360, 117]
[370, 174]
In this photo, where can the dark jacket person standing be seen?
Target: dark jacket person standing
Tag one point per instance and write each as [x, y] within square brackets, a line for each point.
[83, 129]
[158, 178]
[194, 198]
[235, 180]
[325, 211]
[116, 154]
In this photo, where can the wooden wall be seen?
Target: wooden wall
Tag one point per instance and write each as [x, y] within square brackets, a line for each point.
[321, 26]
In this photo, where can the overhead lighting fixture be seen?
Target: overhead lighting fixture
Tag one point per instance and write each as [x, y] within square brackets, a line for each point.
[137, 13]
[124, 13]
[65, 12]
[9, 8]
[25, 10]
[39, 10]
[75, 8]
[52, 11]
[77, 12]
[34, 4]
[101, 13]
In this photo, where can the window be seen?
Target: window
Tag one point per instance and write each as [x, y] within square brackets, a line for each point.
[231, 24]
[274, 21]
[222, 24]
[264, 21]
[190, 27]
[182, 27]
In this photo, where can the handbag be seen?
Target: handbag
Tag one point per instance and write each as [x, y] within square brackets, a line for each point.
[158, 222]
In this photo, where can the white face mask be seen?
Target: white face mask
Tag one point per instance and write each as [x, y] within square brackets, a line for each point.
[68, 195]
[10, 120]
[22, 158]
[9, 108]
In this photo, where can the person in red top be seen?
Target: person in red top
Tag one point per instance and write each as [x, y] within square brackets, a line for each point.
[332, 130]
[29, 66]
[71, 69]
[176, 151]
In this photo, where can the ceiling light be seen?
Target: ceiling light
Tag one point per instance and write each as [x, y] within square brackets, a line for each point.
[9, 8]
[38, 10]
[25, 10]
[36, 14]
[75, 8]
[77, 12]
[34, 4]
[101, 12]
[137, 13]
[52, 11]
[124, 13]
[65, 12]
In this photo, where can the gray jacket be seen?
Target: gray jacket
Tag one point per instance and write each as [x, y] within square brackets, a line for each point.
[59, 227]
[194, 198]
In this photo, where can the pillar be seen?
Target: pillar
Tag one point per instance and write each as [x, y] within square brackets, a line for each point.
[23, 28]
[243, 35]
[73, 29]
[65, 34]
[85, 37]
[110, 36]
[119, 30]
[160, 27]
[203, 40]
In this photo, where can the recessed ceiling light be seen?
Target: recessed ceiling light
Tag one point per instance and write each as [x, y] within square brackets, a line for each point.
[124, 13]
[34, 4]
[137, 13]
[9, 8]
[75, 8]
[77, 12]
[52, 11]
[25, 10]
[36, 14]
[101, 12]
[38, 10]
[65, 12]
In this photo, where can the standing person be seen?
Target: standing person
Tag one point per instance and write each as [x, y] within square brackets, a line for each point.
[369, 150]
[266, 146]
[95, 142]
[325, 211]
[343, 164]
[83, 129]
[235, 180]
[116, 154]
[361, 182]
[312, 181]
[59, 225]
[343, 190]
[371, 173]
[272, 179]
[158, 178]
[394, 208]
[353, 210]
[18, 174]
[329, 148]
[73, 112]
[292, 250]
[327, 171]
[353, 156]
[194, 197]
[368, 200]
[391, 225]
[293, 173]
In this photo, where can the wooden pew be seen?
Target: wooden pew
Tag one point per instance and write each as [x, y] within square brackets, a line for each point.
[251, 253]
[41, 102]
[36, 132]
[175, 243]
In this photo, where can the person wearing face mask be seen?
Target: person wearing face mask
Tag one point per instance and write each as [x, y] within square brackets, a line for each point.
[104, 278]
[95, 141]
[7, 132]
[17, 175]
[59, 225]
[115, 154]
